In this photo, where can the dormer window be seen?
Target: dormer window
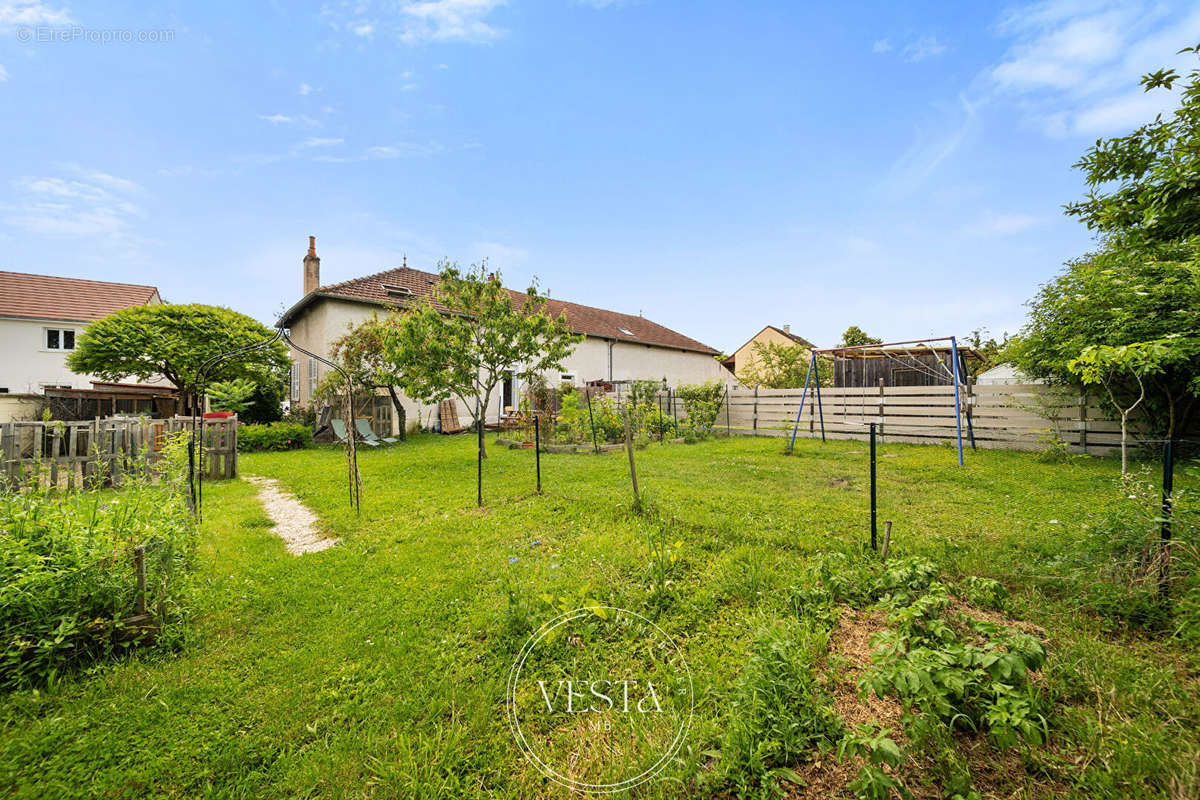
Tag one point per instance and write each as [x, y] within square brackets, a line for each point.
[393, 290]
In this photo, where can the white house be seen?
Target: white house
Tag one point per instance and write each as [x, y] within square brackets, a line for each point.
[41, 318]
[617, 346]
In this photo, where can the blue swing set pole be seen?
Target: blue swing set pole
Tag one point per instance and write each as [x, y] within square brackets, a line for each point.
[957, 407]
[812, 363]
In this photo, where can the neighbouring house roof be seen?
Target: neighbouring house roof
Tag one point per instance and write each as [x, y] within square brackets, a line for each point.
[800, 340]
[29, 296]
[388, 288]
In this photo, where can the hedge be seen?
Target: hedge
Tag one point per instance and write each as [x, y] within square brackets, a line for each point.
[275, 436]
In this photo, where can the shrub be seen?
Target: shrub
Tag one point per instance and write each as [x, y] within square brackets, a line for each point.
[780, 713]
[701, 403]
[66, 570]
[275, 436]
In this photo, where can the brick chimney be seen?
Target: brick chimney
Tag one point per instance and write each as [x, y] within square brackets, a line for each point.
[312, 267]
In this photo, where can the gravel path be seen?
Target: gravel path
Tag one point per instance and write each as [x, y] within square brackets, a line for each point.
[294, 523]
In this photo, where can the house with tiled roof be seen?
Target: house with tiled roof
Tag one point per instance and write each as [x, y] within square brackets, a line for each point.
[617, 347]
[744, 360]
[41, 318]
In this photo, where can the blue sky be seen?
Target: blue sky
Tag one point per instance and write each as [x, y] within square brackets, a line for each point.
[717, 166]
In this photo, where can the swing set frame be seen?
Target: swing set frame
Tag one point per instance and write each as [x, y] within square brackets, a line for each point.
[956, 373]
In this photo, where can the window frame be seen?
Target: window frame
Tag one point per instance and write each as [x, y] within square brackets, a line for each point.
[62, 338]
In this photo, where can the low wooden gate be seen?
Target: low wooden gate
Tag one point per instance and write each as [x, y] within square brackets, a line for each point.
[72, 454]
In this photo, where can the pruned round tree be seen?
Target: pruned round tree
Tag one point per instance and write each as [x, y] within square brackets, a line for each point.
[173, 342]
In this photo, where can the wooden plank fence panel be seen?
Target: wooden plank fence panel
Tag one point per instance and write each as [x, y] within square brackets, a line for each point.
[1001, 416]
[78, 453]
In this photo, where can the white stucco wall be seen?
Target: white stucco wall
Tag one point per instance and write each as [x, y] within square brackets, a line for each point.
[26, 366]
[326, 319]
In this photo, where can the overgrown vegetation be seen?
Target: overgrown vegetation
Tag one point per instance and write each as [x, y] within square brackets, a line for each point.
[67, 580]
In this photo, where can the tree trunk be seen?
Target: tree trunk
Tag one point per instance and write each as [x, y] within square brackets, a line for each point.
[1124, 417]
[401, 417]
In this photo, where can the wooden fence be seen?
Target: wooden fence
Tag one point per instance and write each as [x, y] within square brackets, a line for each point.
[1018, 417]
[71, 454]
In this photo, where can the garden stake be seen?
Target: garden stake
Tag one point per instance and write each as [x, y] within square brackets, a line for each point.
[873, 486]
[661, 430]
[139, 571]
[637, 500]
[1164, 564]
[728, 432]
[588, 394]
[537, 451]
[887, 540]
[479, 455]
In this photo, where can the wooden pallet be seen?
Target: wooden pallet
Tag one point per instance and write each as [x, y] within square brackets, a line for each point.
[448, 414]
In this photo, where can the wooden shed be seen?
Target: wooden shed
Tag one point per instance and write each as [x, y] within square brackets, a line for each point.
[892, 365]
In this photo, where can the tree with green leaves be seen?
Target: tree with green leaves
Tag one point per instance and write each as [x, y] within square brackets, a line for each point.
[856, 337]
[360, 351]
[231, 395]
[1144, 186]
[1115, 298]
[173, 341]
[1143, 283]
[473, 331]
[1115, 367]
[784, 366]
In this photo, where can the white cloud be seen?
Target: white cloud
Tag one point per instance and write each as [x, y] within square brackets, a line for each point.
[284, 119]
[31, 12]
[881, 46]
[1001, 225]
[932, 147]
[388, 152]
[94, 205]
[320, 142]
[1074, 65]
[416, 21]
[304, 89]
[405, 150]
[3, 74]
[1123, 113]
[922, 48]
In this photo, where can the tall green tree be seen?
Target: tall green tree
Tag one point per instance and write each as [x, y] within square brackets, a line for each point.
[1143, 283]
[173, 341]
[360, 351]
[474, 331]
[1118, 297]
[856, 337]
[1145, 187]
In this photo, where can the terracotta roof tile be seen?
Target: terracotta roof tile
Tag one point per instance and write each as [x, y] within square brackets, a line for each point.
[73, 299]
[583, 319]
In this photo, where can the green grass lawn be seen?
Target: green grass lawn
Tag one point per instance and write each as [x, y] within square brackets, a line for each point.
[378, 668]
